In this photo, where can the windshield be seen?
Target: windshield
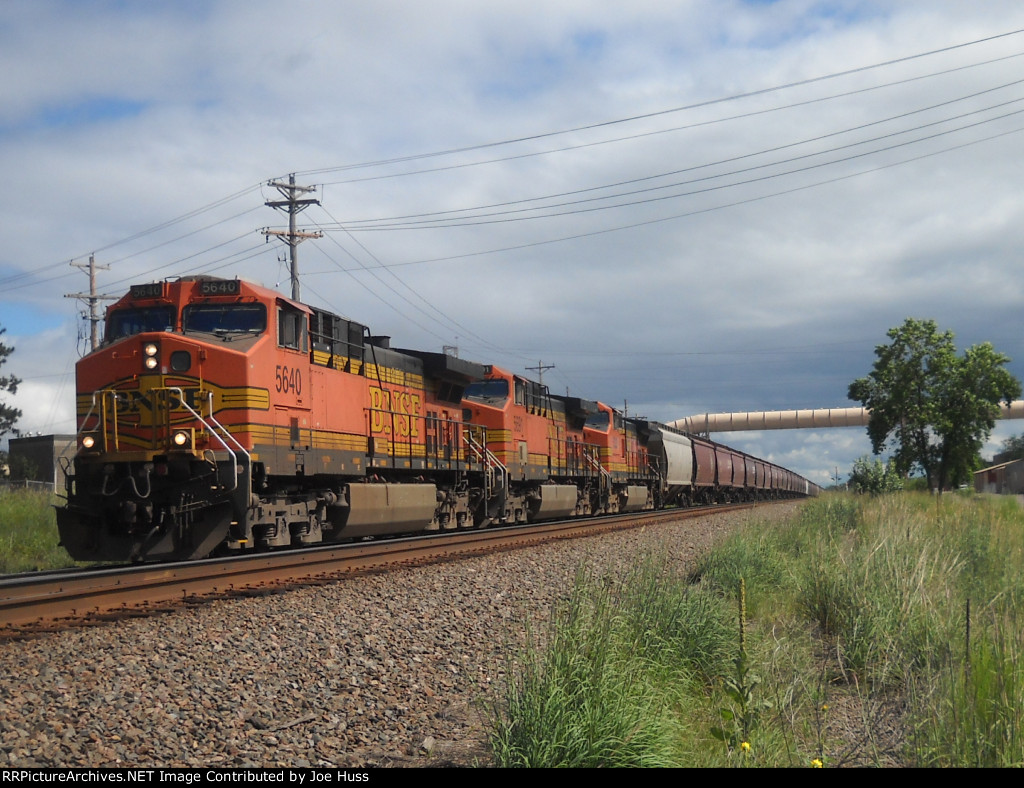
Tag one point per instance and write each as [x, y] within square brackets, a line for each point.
[490, 391]
[225, 318]
[127, 322]
[598, 421]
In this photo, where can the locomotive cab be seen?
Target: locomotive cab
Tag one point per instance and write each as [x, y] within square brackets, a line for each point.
[534, 440]
[157, 475]
[634, 483]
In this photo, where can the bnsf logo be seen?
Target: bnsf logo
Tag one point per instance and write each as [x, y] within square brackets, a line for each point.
[398, 408]
[137, 401]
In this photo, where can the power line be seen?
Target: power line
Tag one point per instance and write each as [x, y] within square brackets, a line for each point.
[21, 276]
[445, 220]
[425, 218]
[689, 126]
[431, 306]
[701, 211]
[684, 108]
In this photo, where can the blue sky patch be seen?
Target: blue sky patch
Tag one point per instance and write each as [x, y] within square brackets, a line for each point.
[20, 319]
[541, 69]
[97, 110]
[590, 44]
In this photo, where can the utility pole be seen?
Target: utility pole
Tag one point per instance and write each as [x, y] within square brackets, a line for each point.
[540, 369]
[293, 206]
[92, 298]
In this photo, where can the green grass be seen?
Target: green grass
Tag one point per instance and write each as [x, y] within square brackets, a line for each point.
[880, 593]
[579, 700]
[905, 602]
[633, 674]
[970, 710]
[28, 532]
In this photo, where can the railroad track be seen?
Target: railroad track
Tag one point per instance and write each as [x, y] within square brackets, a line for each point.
[54, 600]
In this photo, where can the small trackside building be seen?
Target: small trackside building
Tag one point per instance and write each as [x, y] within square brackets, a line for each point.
[1006, 478]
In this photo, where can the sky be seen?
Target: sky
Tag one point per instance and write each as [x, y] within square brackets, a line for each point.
[680, 207]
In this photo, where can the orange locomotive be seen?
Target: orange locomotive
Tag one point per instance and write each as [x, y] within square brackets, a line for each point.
[559, 456]
[220, 416]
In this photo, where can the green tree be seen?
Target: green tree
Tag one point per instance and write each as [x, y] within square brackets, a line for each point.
[874, 476]
[8, 415]
[932, 408]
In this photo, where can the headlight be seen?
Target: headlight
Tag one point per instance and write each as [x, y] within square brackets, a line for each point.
[181, 439]
[88, 442]
[151, 353]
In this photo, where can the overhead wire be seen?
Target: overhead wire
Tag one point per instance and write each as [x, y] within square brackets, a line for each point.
[235, 257]
[179, 219]
[424, 220]
[697, 211]
[438, 315]
[734, 97]
[164, 225]
[684, 108]
[508, 216]
[369, 290]
[686, 127]
[189, 234]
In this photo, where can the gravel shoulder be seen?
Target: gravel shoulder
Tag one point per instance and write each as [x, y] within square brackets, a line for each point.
[377, 670]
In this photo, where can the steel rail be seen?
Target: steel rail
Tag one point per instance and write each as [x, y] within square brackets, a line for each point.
[34, 600]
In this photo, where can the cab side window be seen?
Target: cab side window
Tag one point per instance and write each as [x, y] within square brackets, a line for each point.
[292, 328]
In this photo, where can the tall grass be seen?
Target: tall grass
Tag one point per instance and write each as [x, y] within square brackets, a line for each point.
[903, 602]
[679, 629]
[28, 532]
[631, 673]
[880, 593]
[969, 713]
[894, 596]
[579, 700]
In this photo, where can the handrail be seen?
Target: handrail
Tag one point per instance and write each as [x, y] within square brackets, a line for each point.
[214, 428]
[85, 419]
[490, 461]
[603, 473]
[213, 432]
[224, 429]
[101, 418]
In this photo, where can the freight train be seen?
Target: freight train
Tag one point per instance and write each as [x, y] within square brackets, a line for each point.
[219, 416]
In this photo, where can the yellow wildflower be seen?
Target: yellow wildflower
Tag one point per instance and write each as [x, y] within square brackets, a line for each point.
[745, 746]
[816, 763]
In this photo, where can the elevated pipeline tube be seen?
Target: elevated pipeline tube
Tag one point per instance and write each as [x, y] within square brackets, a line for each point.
[822, 418]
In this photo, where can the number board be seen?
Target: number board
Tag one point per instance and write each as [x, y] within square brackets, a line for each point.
[152, 290]
[220, 287]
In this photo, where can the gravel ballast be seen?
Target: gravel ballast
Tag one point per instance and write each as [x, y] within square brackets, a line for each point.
[374, 670]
